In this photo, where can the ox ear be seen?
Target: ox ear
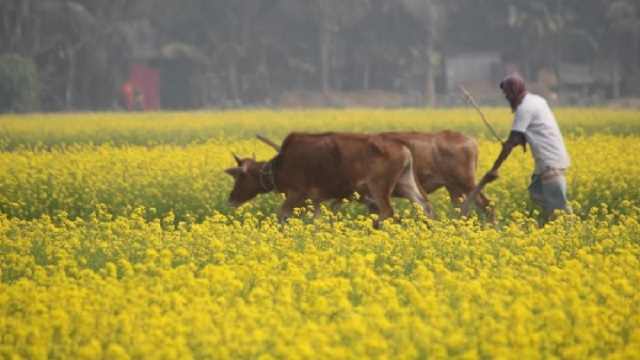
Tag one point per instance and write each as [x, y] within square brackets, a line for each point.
[235, 171]
[237, 159]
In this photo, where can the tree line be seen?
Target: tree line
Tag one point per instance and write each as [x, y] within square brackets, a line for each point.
[252, 51]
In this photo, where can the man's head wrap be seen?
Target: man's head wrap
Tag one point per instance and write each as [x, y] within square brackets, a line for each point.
[514, 89]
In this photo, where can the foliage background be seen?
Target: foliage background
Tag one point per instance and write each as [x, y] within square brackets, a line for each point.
[229, 53]
[19, 85]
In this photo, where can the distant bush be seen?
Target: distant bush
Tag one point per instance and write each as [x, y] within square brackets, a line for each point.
[18, 84]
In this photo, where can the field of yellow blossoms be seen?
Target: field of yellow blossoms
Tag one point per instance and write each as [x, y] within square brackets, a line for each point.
[116, 242]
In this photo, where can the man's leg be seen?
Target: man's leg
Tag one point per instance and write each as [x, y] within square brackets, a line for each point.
[554, 189]
[535, 190]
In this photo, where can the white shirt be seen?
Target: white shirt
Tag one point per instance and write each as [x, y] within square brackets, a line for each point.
[534, 118]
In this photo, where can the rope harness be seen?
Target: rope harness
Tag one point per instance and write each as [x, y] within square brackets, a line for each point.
[267, 178]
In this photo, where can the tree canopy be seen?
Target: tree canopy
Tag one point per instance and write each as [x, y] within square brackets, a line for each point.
[226, 52]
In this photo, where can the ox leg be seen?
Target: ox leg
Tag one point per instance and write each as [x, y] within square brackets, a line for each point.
[371, 204]
[381, 195]
[408, 188]
[335, 205]
[415, 196]
[457, 195]
[293, 200]
[317, 211]
[485, 205]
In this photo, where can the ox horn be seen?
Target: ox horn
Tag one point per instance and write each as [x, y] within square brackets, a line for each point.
[237, 158]
[268, 142]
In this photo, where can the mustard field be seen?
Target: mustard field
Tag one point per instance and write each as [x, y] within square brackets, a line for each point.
[116, 242]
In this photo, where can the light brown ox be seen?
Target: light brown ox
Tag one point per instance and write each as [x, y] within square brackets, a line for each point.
[443, 159]
[329, 166]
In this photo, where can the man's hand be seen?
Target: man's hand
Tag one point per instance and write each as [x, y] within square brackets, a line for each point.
[491, 176]
[515, 138]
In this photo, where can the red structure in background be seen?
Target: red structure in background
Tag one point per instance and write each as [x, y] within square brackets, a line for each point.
[141, 90]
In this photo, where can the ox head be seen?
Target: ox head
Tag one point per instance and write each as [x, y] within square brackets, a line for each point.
[247, 176]
[246, 180]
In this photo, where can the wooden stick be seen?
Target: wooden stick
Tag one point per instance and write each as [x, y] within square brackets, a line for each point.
[483, 182]
[473, 103]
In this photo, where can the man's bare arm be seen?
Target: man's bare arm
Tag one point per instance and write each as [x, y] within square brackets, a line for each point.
[515, 138]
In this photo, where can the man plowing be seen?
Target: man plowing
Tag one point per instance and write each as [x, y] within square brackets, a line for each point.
[535, 124]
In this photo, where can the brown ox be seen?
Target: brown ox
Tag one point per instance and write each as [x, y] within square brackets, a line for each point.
[328, 166]
[444, 159]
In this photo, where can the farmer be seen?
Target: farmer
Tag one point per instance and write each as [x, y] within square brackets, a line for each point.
[535, 124]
